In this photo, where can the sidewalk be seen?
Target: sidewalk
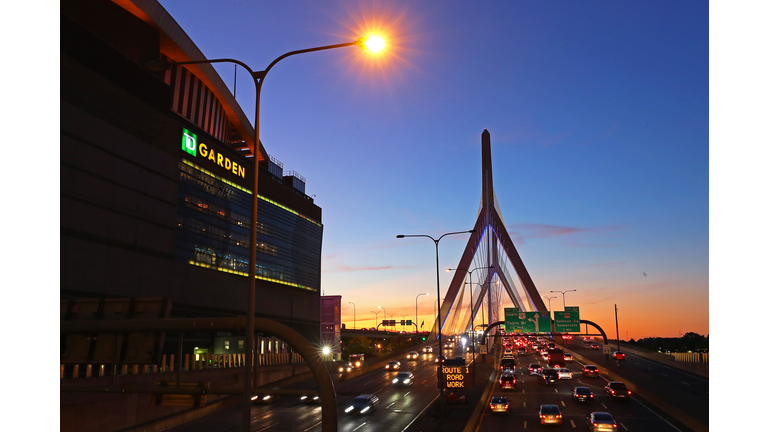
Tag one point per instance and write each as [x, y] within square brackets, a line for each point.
[456, 416]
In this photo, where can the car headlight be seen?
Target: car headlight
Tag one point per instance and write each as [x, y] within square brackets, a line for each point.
[303, 397]
[254, 397]
[341, 369]
[406, 381]
[267, 397]
[364, 409]
[394, 381]
[349, 409]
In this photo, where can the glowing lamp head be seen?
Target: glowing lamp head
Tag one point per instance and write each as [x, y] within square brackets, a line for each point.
[326, 350]
[374, 44]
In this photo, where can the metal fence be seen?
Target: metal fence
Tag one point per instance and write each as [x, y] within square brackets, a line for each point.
[689, 357]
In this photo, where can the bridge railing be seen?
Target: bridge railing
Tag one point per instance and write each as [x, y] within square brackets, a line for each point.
[169, 364]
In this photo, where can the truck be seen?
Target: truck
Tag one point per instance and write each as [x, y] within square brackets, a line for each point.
[556, 357]
[357, 360]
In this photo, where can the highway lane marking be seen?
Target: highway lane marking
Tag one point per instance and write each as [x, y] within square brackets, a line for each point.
[563, 402]
[390, 405]
[657, 415]
[424, 381]
[573, 424]
[368, 382]
[666, 375]
[525, 425]
[684, 382]
[422, 412]
[406, 394]
[273, 424]
[622, 425]
[353, 430]
[556, 391]
[604, 406]
[311, 427]
[523, 404]
[523, 390]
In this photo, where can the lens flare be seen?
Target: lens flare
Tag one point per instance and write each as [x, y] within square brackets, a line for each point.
[374, 43]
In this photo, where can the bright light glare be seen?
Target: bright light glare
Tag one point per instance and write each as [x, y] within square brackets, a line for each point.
[374, 43]
[326, 350]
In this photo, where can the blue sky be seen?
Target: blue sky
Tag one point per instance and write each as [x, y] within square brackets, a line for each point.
[599, 120]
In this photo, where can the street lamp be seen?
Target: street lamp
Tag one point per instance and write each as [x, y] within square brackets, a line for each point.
[385, 313]
[472, 309]
[550, 301]
[376, 319]
[372, 43]
[563, 293]
[417, 309]
[439, 318]
[354, 316]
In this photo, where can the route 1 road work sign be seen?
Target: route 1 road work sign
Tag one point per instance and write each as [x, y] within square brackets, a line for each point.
[453, 376]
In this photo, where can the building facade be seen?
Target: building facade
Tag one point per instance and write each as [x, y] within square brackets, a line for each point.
[157, 179]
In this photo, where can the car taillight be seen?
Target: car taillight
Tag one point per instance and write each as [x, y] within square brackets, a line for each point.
[559, 416]
[591, 395]
[506, 406]
[629, 392]
[594, 424]
[541, 416]
[614, 425]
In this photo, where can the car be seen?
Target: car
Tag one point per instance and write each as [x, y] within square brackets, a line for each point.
[508, 381]
[507, 363]
[499, 404]
[601, 421]
[403, 378]
[363, 404]
[594, 346]
[617, 390]
[427, 350]
[618, 355]
[264, 398]
[470, 349]
[413, 355]
[448, 345]
[545, 356]
[393, 365]
[582, 394]
[550, 414]
[534, 369]
[564, 373]
[310, 399]
[508, 352]
[522, 351]
[568, 357]
[440, 359]
[547, 376]
[346, 367]
[590, 371]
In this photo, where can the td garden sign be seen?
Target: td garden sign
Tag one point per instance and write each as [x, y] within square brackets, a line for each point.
[190, 145]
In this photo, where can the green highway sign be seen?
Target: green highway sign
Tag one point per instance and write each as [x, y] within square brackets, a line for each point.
[567, 321]
[526, 322]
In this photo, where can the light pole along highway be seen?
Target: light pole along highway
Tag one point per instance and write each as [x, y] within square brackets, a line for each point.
[371, 43]
[439, 319]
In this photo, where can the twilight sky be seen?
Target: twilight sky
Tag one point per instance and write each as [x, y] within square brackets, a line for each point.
[599, 119]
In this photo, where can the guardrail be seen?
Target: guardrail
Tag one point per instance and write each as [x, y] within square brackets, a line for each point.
[169, 364]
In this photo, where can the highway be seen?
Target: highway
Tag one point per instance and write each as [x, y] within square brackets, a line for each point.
[633, 415]
[398, 406]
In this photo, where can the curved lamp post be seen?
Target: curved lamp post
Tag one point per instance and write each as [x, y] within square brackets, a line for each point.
[417, 310]
[563, 293]
[373, 43]
[549, 299]
[439, 318]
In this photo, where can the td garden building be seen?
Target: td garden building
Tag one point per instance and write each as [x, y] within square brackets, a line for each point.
[157, 178]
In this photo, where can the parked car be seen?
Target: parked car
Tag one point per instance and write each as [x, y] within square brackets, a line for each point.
[617, 390]
[393, 365]
[499, 404]
[550, 414]
[601, 422]
[363, 404]
[590, 371]
[403, 379]
[582, 394]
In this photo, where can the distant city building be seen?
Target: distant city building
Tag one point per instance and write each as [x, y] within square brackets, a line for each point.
[157, 178]
[330, 324]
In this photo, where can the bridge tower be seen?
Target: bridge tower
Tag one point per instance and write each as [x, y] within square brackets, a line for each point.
[491, 251]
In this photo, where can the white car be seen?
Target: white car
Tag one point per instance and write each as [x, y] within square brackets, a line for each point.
[568, 357]
[564, 373]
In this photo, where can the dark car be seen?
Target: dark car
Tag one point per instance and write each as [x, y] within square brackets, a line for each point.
[522, 351]
[363, 404]
[508, 381]
[310, 399]
[595, 346]
[393, 365]
[550, 414]
[440, 359]
[617, 390]
[590, 371]
[403, 379]
[507, 363]
[547, 376]
[582, 394]
[499, 404]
